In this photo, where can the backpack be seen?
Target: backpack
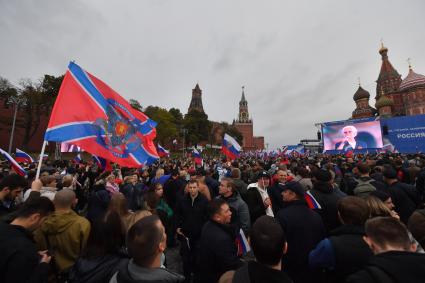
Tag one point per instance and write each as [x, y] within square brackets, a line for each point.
[363, 188]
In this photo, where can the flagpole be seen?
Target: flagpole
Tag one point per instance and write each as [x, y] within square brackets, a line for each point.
[40, 161]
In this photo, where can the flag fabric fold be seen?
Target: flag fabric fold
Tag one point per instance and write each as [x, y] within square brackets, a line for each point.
[22, 156]
[162, 152]
[91, 115]
[197, 157]
[230, 147]
[242, 243]
[311, 201]
[15, 165]
[102, 163]
[77, 159]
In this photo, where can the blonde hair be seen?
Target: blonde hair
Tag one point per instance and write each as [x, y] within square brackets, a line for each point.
[118, 204]
[377, 207]
[159, 173]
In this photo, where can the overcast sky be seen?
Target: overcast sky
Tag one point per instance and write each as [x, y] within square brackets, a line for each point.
[298, 60]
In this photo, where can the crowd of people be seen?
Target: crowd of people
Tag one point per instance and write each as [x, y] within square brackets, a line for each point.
[319, 219]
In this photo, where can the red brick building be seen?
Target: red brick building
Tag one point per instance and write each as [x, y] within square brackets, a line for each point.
[36, 133]
[394, 96]
[245, 126]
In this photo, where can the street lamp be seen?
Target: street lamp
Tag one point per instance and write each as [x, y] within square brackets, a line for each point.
[15, 101]
[184, 132]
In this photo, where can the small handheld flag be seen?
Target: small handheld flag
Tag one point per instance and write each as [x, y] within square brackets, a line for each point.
[311, 201]
[15, 165]
[21, 156]
[102, 163]
[162, 152]
[197, 157]
[242, 243]
[77, 159]
[230, 147]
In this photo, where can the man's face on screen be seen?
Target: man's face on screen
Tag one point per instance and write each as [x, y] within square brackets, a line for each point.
[349, 132]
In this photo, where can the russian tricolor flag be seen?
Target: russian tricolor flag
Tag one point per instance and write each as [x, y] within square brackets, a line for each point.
[15, 165]
[311, 201]
[242, 243]
[21, 156]
[230, 147]
[102, 163]
[197, 156]
[77, 159]
[162, 151]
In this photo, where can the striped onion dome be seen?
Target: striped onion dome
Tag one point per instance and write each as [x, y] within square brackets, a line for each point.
[412, 80]
[384, 101]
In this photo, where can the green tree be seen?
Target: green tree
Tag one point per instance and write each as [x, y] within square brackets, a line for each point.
[166, 129]
[136, 104]
[177, 115]
[39, 100]
[198, 126]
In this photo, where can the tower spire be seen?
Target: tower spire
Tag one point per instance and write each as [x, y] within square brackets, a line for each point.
[409, 61]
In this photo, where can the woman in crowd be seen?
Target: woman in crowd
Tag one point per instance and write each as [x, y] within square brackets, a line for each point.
[104, 253]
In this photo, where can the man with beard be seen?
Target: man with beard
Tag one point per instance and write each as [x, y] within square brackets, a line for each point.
[10, 187]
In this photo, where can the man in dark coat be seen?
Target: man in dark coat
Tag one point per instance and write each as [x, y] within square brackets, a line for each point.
[303, 228]
[344, 251]
[257, 197]
[405, 197]
[19, 259]
[395, 260]
[276, 189]
[269, 246]
[191, 214]
[327, 197]
[218, 251]
[10, 187]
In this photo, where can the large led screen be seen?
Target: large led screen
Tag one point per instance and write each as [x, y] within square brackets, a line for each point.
[354, 136]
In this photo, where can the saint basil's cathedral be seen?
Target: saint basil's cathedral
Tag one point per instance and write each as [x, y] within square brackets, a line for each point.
[394, 96]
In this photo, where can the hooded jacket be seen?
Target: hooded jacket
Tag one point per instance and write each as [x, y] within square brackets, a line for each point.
[134, 273]
[65, 234]
[392, 267]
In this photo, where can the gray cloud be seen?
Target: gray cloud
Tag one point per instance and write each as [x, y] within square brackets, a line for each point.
[298, 60]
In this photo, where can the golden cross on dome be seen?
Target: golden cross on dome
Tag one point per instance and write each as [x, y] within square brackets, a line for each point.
[382, 42]
[358, 80]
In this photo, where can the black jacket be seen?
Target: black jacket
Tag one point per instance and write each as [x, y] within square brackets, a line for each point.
[134, 196]
[255, 204]
[304, 229]
[327, 198]
[172, 188]
[191, 216]
[405, 198]
[392, 267]
[19, 259]
[218, 251]
[254, 272]
[98, 202]
[99, 269]
[275, 193]
[351, 251]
